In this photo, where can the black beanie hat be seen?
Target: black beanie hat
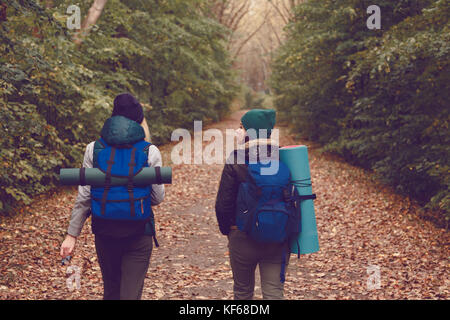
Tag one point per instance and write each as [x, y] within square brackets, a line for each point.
[126, 105]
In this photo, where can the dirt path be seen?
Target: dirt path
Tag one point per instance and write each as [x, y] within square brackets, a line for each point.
[360, 223]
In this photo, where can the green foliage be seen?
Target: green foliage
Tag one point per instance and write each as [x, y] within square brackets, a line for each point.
[55, 95]
[378, 98]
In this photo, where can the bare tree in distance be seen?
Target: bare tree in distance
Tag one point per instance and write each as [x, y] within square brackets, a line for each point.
[231, 14]
[256, 31]
[285, 8]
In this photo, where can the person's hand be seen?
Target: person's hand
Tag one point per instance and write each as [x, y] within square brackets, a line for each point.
[67, 246]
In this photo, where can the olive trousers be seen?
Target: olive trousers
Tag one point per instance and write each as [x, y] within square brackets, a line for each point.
[245, 255]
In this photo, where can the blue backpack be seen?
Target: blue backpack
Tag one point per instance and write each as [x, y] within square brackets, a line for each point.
[121, 202]
[266, 208]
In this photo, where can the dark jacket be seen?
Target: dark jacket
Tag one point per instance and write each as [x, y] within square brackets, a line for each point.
[233, 175]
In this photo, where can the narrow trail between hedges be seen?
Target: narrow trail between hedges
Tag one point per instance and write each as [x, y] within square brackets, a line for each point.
[360, 224]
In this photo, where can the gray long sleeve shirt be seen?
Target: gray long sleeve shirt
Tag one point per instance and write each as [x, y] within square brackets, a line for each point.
[82, 207]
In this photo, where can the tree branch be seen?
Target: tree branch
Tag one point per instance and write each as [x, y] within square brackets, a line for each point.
[249, 37]
[279, 12]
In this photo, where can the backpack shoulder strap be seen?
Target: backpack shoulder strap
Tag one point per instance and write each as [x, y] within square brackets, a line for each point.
[249, 179]
[143, 146]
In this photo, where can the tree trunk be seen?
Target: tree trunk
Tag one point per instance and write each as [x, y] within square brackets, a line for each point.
[48, 4]
[94, 13]
[3, 8]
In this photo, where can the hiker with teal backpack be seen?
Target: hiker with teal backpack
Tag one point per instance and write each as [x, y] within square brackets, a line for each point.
[122, 216]
[257, 208]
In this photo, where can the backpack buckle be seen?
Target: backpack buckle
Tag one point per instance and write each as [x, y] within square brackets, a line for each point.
[130, 187]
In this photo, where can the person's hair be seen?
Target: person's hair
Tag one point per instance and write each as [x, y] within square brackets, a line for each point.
[147, 131]
[128, 106]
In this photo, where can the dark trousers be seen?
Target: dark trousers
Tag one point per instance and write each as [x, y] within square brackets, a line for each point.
[124, 263]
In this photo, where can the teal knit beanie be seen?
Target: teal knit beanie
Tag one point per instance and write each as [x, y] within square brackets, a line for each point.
[259, 119]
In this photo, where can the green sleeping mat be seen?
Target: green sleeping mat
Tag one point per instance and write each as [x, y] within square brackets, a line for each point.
[96, 177]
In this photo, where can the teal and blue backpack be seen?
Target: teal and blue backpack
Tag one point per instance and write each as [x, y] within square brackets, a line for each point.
[121, 202]
[267, 207]
[121, 152]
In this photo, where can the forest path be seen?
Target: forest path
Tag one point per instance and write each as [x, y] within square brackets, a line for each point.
[360, 224]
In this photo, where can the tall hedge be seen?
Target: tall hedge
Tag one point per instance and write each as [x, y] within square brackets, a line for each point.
[55, 95]
[377, 97]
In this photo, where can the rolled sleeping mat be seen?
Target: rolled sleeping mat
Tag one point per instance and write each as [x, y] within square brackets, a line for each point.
[96, 178]
[296, 158]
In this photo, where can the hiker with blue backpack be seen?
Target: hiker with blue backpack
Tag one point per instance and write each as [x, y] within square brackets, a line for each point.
[257, 209]
[122, 216]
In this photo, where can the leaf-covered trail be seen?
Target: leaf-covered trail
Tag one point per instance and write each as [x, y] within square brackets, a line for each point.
[360, 223]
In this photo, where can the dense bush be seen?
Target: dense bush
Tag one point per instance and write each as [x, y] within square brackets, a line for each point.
[55, 95]
[379, 98]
